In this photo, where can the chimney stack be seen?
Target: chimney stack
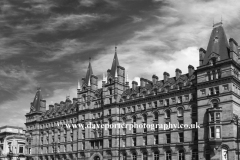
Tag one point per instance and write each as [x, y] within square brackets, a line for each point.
[190, 70]
[178, 73]
[134, 85]
[166, 76]
[143, 82]
[154, 79]
[202, 53]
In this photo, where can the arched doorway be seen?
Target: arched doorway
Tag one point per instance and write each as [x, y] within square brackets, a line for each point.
[96, 158]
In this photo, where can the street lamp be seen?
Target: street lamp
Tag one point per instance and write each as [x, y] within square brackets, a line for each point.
[236, 120]
[10, 154]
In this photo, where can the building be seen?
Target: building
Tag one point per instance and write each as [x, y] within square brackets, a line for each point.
[12, 143]
[208, 95]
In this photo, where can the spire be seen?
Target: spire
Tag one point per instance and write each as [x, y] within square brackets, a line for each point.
[218, 47]
[79, 86]
[115, 64]
[89, 73]
[36, 104]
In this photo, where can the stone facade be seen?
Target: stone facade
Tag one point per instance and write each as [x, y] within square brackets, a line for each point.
[208, 95]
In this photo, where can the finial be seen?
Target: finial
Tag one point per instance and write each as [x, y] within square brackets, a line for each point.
[39, 89]
[89, 59]
[115, 49]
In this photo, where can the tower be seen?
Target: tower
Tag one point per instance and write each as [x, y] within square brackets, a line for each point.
[218, 96]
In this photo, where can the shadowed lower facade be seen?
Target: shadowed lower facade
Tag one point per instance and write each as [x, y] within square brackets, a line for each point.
[208, 95]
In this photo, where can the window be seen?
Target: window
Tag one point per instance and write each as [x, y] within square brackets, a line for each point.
[225, 87]
[218, 117]
[124, 131]
[211, 117]
[155, 139]
[167, 114]
[156, 156]
[218, 132]
[168, 155]
[168, 136]
[134, 119]
[155, 104]
[155, 115]
[145, 157]
[134, 130]
[180, 122]
[195, 135]
[133, 141]
[144, 107]
[109, 143]
[145, 118]
[166, 103]
[181, 155]
[124, 142]
[211, 91]
[203, 92]
[134, 156]
[212, 133]
[180, 112]
[20, 149]
[209, 76]
[219, 73]
[144, 141]
[109, 112]
[124, 156]
[195, 154]
[133, 109]
[216, 90]
[110, 91]
[181, 137]
[110, 132]
[124, 110]
[180, 99]
[110, 100]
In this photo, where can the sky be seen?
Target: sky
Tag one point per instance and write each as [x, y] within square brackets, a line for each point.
[48, 43]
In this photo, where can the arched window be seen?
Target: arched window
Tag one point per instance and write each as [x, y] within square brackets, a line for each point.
[181, 155]
[156, 155]
[155, 115]
[168, 155]
[167, 114]
[195, 154]
[180, 112]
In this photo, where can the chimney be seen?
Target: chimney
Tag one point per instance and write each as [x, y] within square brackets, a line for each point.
[233, 49]
[178, 73]
[134, 85]
[51, 106]
[143, 82]
[190, 70]
[154, 79]
[61, 104]
[166, 76]
[202, 53]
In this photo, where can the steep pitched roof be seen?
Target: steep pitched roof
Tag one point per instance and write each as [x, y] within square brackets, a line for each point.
[36, 104]
[115, 64]
[88, 74]
[218, 44]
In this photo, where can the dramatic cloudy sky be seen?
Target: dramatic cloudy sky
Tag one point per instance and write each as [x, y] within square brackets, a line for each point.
[47, 43]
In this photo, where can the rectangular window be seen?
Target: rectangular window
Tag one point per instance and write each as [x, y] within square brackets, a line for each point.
[180, 99]
[155, 104]
[133, 109]
[155, 139]
[134, 130]
[110, 132]
[144, 140]
[211, 92]
[218, 117]
[168, 136]
[166, 102]
[124, 142]
[218, 132]
[212, 133]
[20, 149]
[225, 87]
[124, 111]
[216, 90]
[203, 91]
[211, 117]
[109, 112]
[181, 137]
[133, 141]
[144, 107]
[110, 143]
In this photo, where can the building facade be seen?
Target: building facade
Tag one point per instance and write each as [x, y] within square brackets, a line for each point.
[12, 143]
[208, 95]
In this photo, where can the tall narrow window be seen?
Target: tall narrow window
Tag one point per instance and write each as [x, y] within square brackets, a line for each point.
[181, 155]
[144, 141]
[168, 136]
[218, 117]
[211, 92]
[134, 156]
[218, 132]
[145, 157]
[167, 114]
[109, 143]
[212, 133]
[216, 90]
[155, 115]
[181, 137]
[180, 112]
[211, 116]
[195, 154]
[168, 155]
[155, 139]
[134, 141]
[134, 119]
[156, 156]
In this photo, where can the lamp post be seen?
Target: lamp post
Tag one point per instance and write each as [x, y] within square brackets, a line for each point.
[10, 154]
[236, 119]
